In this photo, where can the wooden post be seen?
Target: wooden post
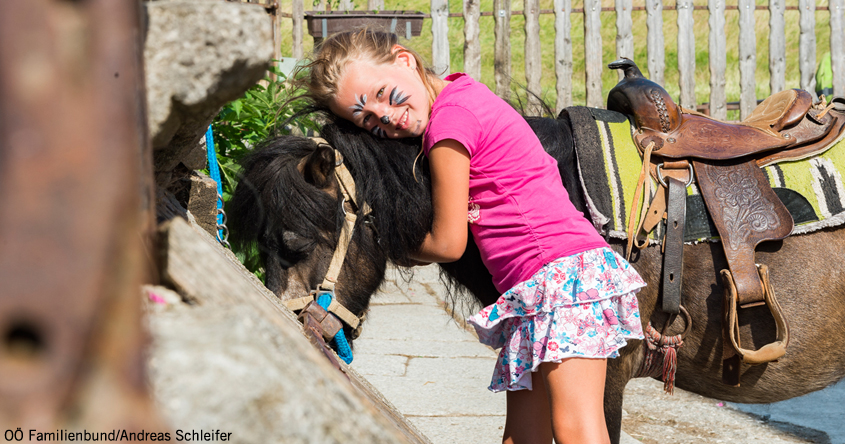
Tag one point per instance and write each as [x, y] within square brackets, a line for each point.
[298, 17]
[440, 36]
[472, 44]
[533, 66]
[747, 58]
[837, 45]
[346, 5]
[777, 46]
[624, 32]
[375, 5]
[718, 60]
[277, 30]
[502, 47]
[593, 52]
[656, 51]
[563, 53]
[686, 53]
[807, 45]
[73, 204]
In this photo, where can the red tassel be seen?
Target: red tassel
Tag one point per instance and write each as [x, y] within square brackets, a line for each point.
[670, 364]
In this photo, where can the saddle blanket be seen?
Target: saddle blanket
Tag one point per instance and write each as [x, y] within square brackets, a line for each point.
[610, 164]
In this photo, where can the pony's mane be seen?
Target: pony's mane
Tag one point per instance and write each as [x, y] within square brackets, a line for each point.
[271, 182]
[383, 170]
[384, 178]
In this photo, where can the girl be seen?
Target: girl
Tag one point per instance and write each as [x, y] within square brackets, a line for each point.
[568, 301]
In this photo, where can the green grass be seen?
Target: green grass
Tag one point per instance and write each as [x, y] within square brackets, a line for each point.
[702, 79]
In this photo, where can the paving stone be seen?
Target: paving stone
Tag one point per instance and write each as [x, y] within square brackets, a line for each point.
[413, 322]
[456, 429]
[367, 346]
[460, 395]
[380, 364]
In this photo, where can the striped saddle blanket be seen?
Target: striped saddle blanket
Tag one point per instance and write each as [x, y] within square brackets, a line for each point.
[811, 189]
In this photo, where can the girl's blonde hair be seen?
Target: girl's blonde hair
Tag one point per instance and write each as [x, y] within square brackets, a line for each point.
[333, 55]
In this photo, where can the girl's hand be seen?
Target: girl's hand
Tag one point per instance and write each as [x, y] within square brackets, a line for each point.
[449, 162]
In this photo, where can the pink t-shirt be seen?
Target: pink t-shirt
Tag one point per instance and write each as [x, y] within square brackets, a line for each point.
[519, 213]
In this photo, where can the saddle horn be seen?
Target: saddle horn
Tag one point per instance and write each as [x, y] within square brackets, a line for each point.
[646, 103]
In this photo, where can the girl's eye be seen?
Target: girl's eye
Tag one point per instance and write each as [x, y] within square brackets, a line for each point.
[366, 118]
[380, 92]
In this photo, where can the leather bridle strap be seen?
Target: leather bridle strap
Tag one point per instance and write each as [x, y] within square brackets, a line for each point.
[335, 308]
[347, 188]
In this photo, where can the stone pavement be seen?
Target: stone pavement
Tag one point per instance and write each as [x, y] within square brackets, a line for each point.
[432, 369]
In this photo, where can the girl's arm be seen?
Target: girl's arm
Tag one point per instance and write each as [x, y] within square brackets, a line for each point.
[449, 162]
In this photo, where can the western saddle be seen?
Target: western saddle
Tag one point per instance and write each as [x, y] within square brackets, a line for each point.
[725, 160]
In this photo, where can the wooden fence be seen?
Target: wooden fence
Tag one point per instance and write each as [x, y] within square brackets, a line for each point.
[592, 10]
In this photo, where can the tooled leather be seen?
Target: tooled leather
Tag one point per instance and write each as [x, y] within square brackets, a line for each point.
[660, 105]
[746, 211]
[705, 138]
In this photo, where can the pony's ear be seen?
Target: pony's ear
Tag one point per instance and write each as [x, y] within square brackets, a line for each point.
[319, 166]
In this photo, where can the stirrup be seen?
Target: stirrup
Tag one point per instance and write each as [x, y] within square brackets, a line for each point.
[769, 352]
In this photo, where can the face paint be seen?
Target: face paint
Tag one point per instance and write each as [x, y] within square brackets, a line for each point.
[359, 104]
[397, 97]
[379, 132]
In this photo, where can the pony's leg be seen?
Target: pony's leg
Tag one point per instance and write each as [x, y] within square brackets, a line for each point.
[529, 420]
[576, 395]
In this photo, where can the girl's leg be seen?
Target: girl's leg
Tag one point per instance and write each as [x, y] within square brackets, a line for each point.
[529, 420]
[576, 394]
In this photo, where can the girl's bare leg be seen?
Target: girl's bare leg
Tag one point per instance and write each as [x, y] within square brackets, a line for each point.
[529, 418]
[576, 394]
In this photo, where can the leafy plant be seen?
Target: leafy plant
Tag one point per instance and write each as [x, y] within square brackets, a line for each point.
[263, 112]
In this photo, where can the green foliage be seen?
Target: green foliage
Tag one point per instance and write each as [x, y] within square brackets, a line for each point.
[263, 112]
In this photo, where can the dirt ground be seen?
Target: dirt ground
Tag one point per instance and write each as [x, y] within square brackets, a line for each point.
[654, 417]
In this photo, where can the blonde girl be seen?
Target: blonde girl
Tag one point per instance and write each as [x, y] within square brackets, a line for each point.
[568, 301]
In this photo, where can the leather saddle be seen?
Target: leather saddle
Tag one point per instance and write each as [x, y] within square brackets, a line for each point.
[724, 159]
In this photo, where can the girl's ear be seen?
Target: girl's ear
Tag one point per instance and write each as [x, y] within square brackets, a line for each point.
[404, 57]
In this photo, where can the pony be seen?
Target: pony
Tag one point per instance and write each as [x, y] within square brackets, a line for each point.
[289, 206]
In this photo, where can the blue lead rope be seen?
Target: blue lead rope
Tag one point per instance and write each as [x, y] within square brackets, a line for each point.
[214, 170]
[343, 349]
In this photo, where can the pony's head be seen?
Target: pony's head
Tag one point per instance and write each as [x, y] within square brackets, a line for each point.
[288, 205]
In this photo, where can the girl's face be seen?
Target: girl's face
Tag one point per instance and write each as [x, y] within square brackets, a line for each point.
[389, 100]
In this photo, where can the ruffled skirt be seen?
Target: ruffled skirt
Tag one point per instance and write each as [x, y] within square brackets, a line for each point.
[584, 305]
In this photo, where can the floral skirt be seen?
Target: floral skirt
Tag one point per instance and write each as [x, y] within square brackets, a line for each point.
[584, 305]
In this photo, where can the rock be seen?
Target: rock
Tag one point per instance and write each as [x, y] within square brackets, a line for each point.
[227, 355]
[198, 55]
[202, 202]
